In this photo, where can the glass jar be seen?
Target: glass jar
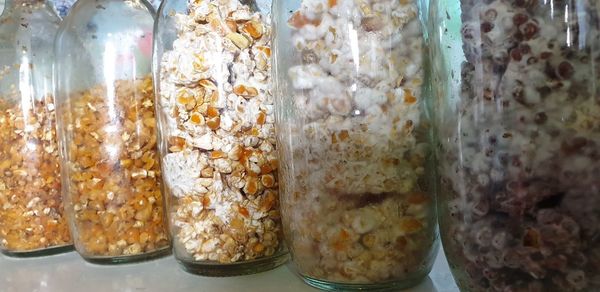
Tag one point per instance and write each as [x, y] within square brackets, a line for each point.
[32, 221]
[107, 130]
[354, 139]
[518, 117]
[215, 110]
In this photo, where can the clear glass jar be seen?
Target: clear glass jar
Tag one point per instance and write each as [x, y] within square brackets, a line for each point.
[518, 118]
[107, 130]
[354, 140]
[32, 221]
[215, 110]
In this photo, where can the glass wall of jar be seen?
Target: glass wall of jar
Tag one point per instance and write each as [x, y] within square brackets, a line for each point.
[32, 220]
[519, 126]
[107, 130]
[215, 109]
[354, 136]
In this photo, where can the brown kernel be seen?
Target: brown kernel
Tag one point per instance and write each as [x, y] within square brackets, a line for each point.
[409, 98]
[268, 180]
[516, 54]
[410, 225]
[298, 20]
[244, 212]
[231, 24]
[530, 30]
[208, 84]
[251, 186]
[344, 135]
[262, 118]
[254, 29]
[540, 118]
[565, 70]
[531, 238]
[372, 23]
[268, 202]
[245, 91]
[237, 224]
[520, 18]
[258, 248]
[212, 112]
[487, 27]
[205, 201]
[176, 141]
[207, 172]
[217, 154]
[239, 40]
[214, 123]
[265, 50]
[266, 168]
[417, 198]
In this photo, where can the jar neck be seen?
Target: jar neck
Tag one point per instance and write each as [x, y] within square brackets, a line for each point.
[8, 4]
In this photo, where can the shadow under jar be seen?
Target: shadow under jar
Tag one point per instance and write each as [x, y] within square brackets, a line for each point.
[107, 129]
[519, 126]
[215, 108]
[32, 219]
[352, 125]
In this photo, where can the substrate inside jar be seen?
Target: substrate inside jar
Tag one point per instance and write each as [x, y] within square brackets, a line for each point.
[31, 210]
[524, 194]
[114, 171]
[221, 166]
[354, 206]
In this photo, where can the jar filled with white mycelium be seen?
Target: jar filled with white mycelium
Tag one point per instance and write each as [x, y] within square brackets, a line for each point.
[519, 130]
[216, 119]
[354, 143]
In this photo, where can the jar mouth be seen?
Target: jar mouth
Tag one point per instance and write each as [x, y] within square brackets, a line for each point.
[11, 4]
[26, 2]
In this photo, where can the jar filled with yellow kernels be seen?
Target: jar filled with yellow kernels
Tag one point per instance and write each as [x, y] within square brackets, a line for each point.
[107, 129]
[32, 221]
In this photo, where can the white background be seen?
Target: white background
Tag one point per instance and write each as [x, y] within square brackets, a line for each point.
[69, 273]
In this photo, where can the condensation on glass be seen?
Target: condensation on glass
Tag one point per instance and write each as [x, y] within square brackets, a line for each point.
[518, 119]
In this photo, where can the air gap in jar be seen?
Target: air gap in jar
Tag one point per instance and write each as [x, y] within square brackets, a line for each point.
[218, 142]
[353, 133]
[519, 129]
[105, 104]
[32, 219]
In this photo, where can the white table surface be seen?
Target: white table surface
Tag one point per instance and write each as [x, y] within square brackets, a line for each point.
[67, 272]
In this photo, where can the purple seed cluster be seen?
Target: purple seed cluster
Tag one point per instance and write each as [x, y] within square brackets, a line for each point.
[522, 169]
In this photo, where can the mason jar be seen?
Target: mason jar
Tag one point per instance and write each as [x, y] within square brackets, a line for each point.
[355, 142]
[518, 121]
[217, 140]
[32, 219]
[107, 130]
